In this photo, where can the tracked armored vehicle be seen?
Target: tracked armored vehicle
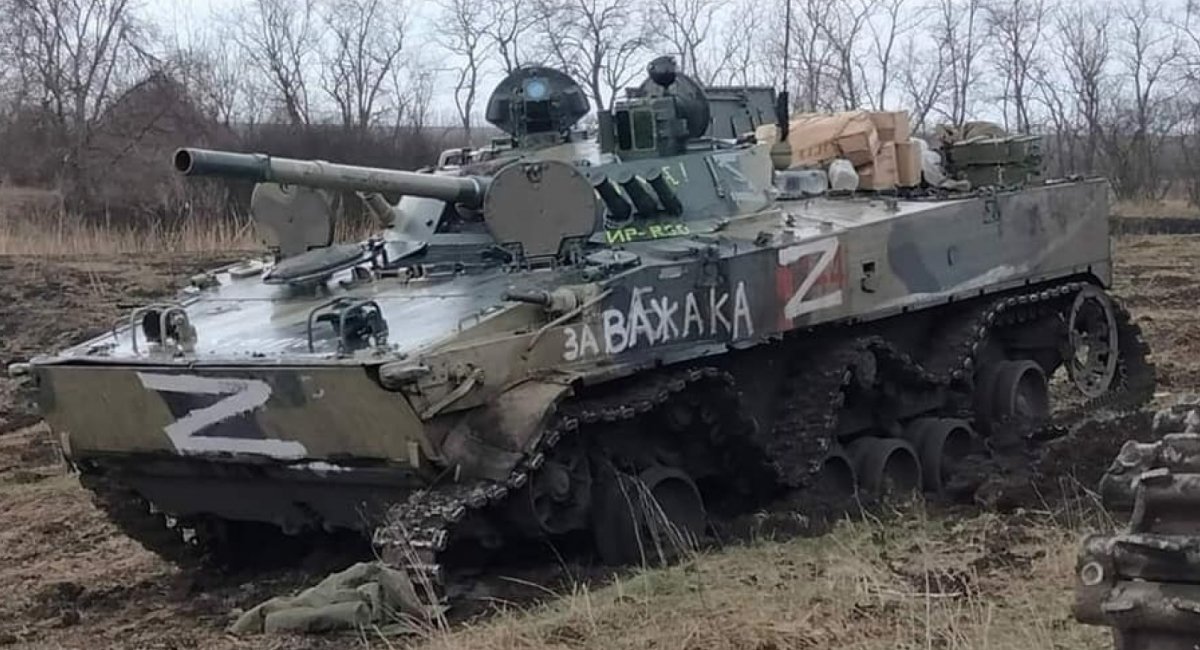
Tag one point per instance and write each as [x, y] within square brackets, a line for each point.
[575, 333]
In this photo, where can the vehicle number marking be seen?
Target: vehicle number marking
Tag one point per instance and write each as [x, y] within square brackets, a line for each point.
[662, 230]
[670, 175]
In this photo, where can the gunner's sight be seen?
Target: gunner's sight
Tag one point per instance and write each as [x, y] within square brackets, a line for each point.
[537, 106]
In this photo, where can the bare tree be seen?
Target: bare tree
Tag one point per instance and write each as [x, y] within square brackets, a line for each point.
[279, 39]
[412, 86]
[511, 26]
[922, 79]
[689, 24]
[223, 88]
[737, 54]
[1084, 49]
[956, 32]
[600, 42]
[213, 74]
[812, 57]
[896, 18]
[1143, 115]
[1015, 27]
[10, 65]
[1059, 119]
[1189, 28]
[464, 27]
[76, 56]
[842, 25]
[366, 39]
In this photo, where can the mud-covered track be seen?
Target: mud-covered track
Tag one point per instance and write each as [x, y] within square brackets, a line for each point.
[804, 429]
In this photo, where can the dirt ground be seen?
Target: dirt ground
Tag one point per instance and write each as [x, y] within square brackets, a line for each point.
[70, 580]
[47, 303]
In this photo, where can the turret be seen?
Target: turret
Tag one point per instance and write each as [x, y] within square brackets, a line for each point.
[535, 208]
[537, 106]
[538, 196]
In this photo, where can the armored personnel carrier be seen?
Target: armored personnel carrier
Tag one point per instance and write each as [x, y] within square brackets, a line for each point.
[576, 333]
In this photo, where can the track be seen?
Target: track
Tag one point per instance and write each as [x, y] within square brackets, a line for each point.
[805, 428]
[790, 453]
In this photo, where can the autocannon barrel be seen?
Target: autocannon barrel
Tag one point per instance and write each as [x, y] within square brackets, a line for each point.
[261, 168]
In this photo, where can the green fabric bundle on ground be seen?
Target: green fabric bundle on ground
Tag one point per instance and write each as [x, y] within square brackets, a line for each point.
[364, 594]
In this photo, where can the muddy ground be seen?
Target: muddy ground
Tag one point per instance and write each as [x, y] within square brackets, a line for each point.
[69, 579]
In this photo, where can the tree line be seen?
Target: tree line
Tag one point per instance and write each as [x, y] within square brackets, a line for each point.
[93, 91]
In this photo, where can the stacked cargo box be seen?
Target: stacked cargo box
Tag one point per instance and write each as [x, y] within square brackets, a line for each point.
[885, 157]
[878, 144]
[996, 161]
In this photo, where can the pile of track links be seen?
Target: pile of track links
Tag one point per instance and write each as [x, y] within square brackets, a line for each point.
[1145, 582]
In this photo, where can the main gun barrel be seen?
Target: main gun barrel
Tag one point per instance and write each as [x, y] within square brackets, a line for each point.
[261, 168]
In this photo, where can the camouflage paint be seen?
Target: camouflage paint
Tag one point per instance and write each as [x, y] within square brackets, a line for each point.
[467, 378]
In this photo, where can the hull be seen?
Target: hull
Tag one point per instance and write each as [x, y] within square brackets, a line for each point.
[295, 415]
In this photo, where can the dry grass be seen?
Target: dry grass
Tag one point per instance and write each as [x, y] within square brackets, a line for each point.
[45, 229]
[1164, 208]
[64, 235]
[985, 582]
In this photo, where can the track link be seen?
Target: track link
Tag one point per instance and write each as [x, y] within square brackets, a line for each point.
[132, 514]
[1145, 582]
[805, 425]
[415, 531]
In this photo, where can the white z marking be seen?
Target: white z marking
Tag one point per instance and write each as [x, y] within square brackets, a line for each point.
[245, 395]
[797, 305]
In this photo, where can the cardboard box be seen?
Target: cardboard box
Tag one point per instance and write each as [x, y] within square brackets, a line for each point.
[813, 138]
[859, 141]
[892, 126]
[908, 164]
[767, 133]
[881, 175]
[818, 138]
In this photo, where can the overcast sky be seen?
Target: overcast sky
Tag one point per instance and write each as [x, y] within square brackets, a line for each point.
[184, 16]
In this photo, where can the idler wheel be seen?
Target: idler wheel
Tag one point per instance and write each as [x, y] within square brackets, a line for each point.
[837, 478]
[886, 466]
[1020, 396]
[940, 443]
[649, 518]
[1093, 342]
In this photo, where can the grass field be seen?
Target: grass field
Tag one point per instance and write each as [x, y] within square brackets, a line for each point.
[999, 582]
